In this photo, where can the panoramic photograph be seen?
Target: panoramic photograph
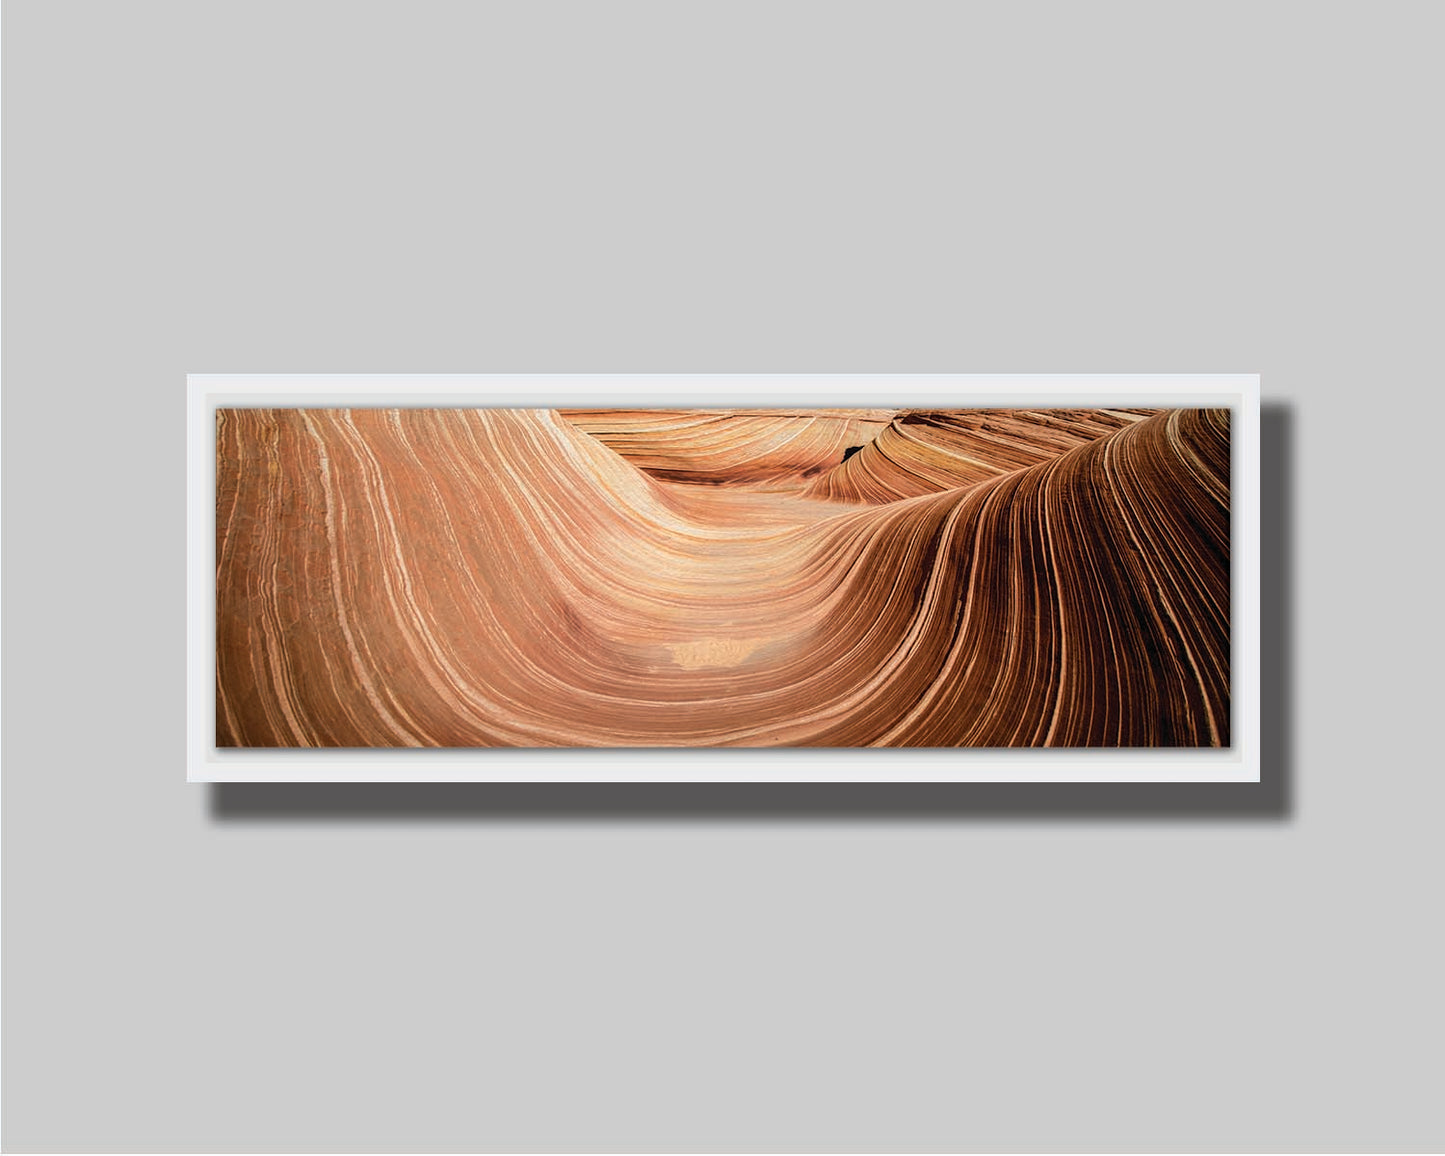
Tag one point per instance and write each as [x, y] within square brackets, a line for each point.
[449, 577]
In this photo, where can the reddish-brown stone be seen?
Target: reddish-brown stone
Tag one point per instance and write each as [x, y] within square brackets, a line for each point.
[606, 578]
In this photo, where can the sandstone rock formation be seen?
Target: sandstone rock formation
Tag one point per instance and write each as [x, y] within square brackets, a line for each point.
[594, 578]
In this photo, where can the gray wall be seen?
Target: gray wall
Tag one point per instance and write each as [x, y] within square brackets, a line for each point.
[790, 187]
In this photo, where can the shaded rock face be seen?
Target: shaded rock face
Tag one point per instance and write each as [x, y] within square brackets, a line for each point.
[922, 452]
[456, 578]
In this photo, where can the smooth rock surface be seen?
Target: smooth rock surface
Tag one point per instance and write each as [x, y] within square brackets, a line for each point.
[609, 578]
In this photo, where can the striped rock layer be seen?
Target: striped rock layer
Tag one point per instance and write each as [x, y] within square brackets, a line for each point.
[731, 447]
[503, 577]
[922, 452]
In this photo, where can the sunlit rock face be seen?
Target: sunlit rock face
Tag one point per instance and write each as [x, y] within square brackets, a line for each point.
[732, 447]
[627, 578]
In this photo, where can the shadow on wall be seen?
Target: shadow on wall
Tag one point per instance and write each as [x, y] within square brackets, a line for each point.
[1270, 799]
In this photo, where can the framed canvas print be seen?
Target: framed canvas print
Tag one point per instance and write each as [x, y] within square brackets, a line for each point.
[720, 578]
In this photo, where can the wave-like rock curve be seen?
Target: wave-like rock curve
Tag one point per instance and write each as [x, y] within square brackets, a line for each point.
[500, 577]
[731, 447]
[924, 452]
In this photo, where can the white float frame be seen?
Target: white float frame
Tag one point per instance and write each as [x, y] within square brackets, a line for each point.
[205, 393]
